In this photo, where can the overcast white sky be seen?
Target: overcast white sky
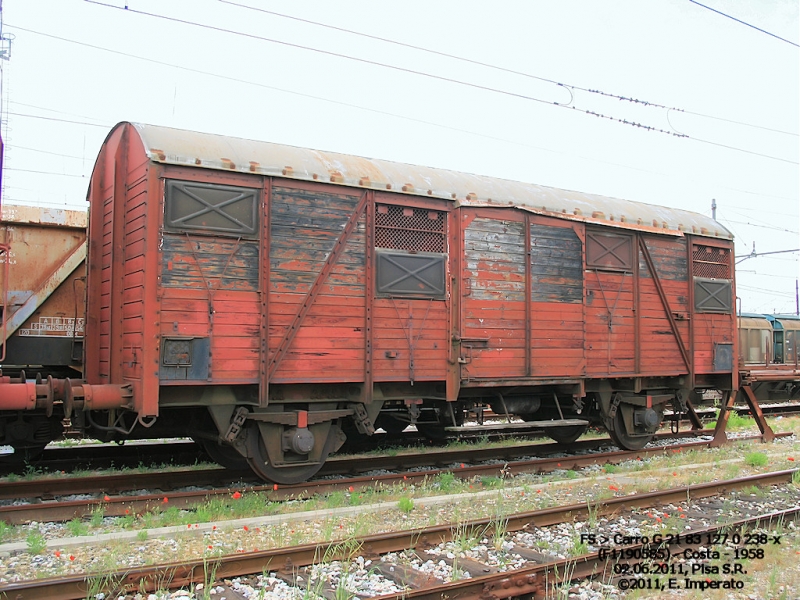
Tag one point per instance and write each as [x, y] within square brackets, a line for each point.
[76, 68]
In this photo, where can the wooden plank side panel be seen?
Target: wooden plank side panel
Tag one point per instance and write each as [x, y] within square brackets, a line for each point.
[235, 349]
[556, 265]
[610, 326]
[557, 340]
[403, 328]
[669, 257]
[655, 326]
[305, 225]
[494, 308]
[229, 317]
[502, 354]
[659, 350]
[494, 260]
[711, 329]
[209, 263]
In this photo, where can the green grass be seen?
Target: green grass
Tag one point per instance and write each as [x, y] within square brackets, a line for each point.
[335, 500]
[36, 542]
[756, 459]
[5, 530]
[446, 481]
[491, 482]
[737, 422]
[466, 537]
[77, 528]
[97, 517]
[578, 547]
[405, 504]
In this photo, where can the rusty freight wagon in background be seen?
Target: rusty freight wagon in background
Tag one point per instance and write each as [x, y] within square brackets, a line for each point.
[269, 300]
[43, 283]
[42, 278]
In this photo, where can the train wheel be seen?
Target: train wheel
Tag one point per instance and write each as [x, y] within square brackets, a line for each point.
[566, 435]
[224, 455]
[268, 460]
[625, 439]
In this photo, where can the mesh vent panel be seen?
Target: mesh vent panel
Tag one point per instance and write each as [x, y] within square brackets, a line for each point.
[414, 229]
[713, 263]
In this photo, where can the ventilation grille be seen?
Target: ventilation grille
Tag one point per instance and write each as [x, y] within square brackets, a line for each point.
[412, 229]
[713, 263]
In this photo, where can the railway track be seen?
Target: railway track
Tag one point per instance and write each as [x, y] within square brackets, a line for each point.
[395, 556]
[53, 504]
[58, 458]
[46, 488]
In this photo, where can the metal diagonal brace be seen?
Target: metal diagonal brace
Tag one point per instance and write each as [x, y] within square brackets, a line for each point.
[767, 435]
[665, 302]
[316, 287]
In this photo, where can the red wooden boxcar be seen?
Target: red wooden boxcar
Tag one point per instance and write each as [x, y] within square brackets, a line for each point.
[269, 300]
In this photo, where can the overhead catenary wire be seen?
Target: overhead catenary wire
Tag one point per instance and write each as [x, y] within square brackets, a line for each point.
[58, 119]
[554, 103]
[757, 209]
[369, 125]
[719, 12]
[45, 172]
[39, 202]
[498, 67]
[763, 222]
[755, 254]
[770, 275]
[52, 110]
[774, 228]
[341, 103]
[16, 147]
[775, 292]
[495, 138]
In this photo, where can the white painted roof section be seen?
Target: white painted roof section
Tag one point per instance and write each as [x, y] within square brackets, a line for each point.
[181, 147]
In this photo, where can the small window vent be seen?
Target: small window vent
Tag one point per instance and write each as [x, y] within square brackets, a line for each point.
[712, 263]
[411, 229]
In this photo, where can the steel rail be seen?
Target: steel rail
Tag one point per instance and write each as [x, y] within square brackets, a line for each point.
[66, 458]
[48, 488]
[142, 452]
[535, 580]
[287, 560]
[118, 506]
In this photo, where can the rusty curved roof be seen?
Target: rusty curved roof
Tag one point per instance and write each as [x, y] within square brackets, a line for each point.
[180, 147]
